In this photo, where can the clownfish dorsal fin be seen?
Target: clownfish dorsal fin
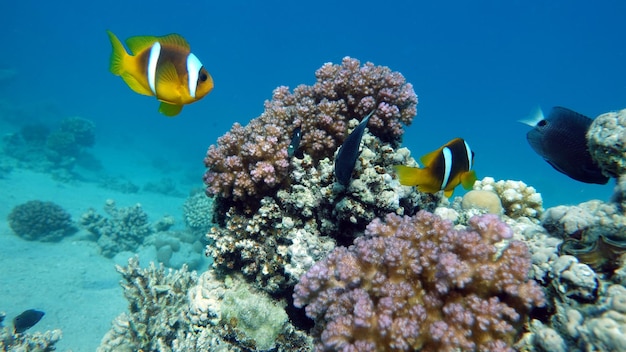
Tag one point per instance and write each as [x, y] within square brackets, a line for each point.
[428, 158]
[175, 40]
[140, 43]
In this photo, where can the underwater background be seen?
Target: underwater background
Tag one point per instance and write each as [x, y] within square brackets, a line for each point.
[477, 68]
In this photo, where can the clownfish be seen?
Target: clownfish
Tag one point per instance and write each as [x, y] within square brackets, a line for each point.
[163, 67]
[444, 169]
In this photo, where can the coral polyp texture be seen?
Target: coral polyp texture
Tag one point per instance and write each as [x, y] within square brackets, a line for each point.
[606, 140]
[250, 162]
[41, 221]
[417, 283]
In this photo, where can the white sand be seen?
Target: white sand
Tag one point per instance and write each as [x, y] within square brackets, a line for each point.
[76, 287]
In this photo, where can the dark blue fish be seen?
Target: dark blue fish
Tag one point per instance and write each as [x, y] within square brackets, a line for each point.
[561, 139]
[294, 146]
[349, 152]
[27, 320]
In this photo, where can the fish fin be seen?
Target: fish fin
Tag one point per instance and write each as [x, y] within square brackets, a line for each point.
[170, 110]
[140, 43]
[175, 40]
[533, 119]
[168, 85]
[134, 84]
[448, 193]
[428, 158]
[468, 179]
[118, 55]
[411, 176]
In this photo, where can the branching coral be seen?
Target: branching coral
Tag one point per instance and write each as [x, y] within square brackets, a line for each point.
[416, 283]
[41, 221]
[157, 309]
[252, 161]
[124, 230]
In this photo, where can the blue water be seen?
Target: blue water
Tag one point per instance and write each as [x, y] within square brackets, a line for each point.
[477, 68]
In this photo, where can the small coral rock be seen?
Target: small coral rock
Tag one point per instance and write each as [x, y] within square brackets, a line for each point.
[41, 221]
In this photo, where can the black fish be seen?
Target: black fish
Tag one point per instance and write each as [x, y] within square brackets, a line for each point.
[349, 151]
[561, 140]
[27, 320]
[294, 146]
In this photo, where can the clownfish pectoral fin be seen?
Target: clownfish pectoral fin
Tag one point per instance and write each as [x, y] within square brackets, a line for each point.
[140, 43]
[118, 55]
[428, 158]
[135, 85]
[170, 110]
[448, 193]
[468, 179]
[166, 79]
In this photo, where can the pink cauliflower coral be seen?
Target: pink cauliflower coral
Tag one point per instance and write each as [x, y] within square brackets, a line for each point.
[417, 283]
[250, 162]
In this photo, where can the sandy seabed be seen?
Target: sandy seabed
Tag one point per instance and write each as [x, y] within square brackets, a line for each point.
[70, 281]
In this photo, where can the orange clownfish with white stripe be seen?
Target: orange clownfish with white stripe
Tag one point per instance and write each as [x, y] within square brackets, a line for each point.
[163, 67]
[444, 169]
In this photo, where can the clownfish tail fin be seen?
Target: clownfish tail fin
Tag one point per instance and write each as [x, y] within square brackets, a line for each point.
[118, 55]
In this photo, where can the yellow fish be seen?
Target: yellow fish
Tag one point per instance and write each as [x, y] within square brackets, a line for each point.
[163, 67]
[444, 169]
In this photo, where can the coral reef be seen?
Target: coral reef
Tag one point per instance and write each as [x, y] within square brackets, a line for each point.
[56, 151]
[518, 199]
[416, 283]
[594, 232]
[177, 248]
[247, 165]
[124, 230]
[37, 341]
[41, 221]
[198, 213]
[488, 201]
[606, 141]
[178, 311]
[81, 130]
[302, 222]
[156, 312]
[590, 312]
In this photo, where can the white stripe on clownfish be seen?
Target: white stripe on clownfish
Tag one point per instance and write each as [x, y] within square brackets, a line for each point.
[447, 162]
[193, 69]
[153, 60]
[468, 155]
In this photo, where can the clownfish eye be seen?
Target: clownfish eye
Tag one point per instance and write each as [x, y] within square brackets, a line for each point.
[203, 77]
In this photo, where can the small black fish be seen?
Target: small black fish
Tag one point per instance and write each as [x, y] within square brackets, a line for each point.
[27, 320]
[561, 140]
[294, 146]
[349, 152]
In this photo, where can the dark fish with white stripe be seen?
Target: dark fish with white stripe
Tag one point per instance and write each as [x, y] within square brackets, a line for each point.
[444, 169]
[561, 140]
[163, 67]
[349, 152]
